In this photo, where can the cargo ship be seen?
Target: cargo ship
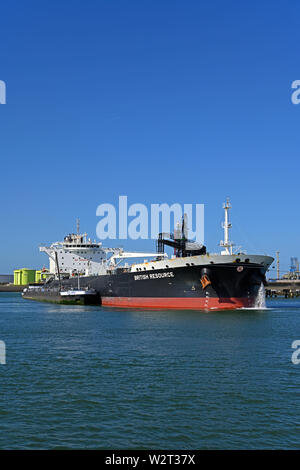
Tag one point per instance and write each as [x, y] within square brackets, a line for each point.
[191, 278]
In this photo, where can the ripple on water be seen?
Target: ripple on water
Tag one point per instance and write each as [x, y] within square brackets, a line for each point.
[96, 378]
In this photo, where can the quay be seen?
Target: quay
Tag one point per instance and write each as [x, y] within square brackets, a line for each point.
[11, 288]
[287, 288]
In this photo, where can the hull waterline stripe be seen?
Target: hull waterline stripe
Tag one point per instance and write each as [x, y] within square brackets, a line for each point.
[202, 303]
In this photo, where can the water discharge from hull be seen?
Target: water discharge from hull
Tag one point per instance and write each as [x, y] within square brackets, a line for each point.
[260, 302]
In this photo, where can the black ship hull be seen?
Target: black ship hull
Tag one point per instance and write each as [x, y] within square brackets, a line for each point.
[202, 287]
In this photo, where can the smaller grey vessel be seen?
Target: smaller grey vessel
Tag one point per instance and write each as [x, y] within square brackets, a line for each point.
[60, 296]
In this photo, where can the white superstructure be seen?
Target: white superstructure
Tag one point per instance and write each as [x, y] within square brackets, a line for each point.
[79, 255]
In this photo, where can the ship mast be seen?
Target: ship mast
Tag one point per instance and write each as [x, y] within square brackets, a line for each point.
[226, 243]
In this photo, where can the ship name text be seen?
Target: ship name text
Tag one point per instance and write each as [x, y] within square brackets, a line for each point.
[142, 277]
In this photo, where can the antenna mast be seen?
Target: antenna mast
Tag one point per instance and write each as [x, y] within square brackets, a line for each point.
[78, 226]
[277, 264]
[226, 226]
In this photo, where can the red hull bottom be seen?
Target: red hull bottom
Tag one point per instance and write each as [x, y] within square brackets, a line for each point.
[182, 303]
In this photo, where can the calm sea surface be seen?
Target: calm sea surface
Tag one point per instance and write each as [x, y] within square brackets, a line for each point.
[89, 377]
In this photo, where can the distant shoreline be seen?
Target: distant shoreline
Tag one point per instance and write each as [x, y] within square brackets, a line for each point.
[11, 288]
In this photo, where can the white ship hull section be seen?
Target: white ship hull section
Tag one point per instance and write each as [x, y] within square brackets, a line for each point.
[200, 260]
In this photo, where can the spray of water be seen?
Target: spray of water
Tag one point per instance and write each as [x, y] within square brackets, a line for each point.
[260, 302]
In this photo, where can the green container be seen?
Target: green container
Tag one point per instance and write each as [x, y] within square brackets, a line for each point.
[38, 276]
[28, 276]
[18, 277]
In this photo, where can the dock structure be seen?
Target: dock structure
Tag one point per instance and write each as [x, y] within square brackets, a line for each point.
[11, 288]
[287, 288]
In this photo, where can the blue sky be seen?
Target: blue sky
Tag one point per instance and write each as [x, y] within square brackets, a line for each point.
[162, 101]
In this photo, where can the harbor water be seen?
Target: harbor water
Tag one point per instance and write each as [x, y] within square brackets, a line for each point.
[98, 378]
